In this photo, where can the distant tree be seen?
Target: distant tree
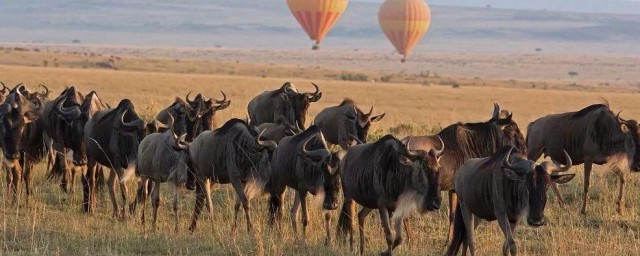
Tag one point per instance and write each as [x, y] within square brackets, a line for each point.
[76, 41]
[573, 73]
[488, 6]
[538, 49]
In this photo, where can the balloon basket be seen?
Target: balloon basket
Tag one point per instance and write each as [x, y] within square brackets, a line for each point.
[403, 59]
[315, 47]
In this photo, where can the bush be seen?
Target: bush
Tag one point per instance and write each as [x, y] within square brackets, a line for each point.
[353, 77]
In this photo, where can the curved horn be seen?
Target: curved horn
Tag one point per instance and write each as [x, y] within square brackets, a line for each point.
[317, 89]
[133, 124]
[370, 111]
[409, 153]
[441, 150]
[67, 113]
[5, 89]
[496, 111]
[619, 118]
[224, 98]
[187, 98]
[181, 143]
[45, 93]
[318, 153]
[271, 145]
[568, 162]
[169, 124]
[506, 160]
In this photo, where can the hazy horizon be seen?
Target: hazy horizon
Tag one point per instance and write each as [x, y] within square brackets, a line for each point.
[586, 6]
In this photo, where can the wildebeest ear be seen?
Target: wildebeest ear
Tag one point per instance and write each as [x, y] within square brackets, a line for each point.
[512, 175]
[406, 161]
[623, 127]
[562, 178]
[377, 118]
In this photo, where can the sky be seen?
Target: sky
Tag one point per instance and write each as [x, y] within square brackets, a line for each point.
[589, 6]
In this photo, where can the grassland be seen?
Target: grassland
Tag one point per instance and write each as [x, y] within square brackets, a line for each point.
[54, 224]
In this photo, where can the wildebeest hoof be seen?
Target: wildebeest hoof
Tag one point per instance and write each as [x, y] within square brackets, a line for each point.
[386, 253]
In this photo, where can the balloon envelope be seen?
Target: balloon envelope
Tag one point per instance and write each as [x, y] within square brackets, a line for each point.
[317, 17]
[404, 22]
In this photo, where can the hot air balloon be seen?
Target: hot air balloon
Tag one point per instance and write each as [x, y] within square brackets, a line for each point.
[317, 17]
[404, 22]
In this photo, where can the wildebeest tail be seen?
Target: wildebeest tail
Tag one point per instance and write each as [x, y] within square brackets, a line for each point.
[459, 233]
[345, 221]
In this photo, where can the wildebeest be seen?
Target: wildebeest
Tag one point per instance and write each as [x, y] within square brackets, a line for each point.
[303, 162]
[234, 153]
[112, 137]
[206, 115]
[64, 119]
[388, 176]
[502, 187]
[593, 135]
[268, 106]
[21, 141]
[162, 157]
[340, 123]
[463, 141]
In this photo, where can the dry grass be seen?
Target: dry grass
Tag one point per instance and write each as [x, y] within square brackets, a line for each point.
[53, 223]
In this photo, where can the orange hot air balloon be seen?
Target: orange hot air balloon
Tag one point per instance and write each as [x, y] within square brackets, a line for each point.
[317, 16]
[404, 22]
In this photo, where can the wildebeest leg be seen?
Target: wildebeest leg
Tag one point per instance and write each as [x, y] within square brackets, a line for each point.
[143, 190]
[453, 202]
[123, 193]
[239, 187]
[384, 218]
[587, 178]
[72, 180]
[138, 199]
[362, 216]
[327, 226]
[10, 185]
[112, 192]
[469, 225]
[89, 187]
[407, 228]
[198, 206]
[155, 201]
[509, 242]
[295, 209]
[207, 189]
[176, 198]
[302, 195]
[398, 231]
[26, 175]
[236, 209]
[620, 201]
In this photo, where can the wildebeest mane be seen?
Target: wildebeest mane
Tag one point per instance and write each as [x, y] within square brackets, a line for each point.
[346, 101]
[583, 112]
[227, 127]
[495, 161]
[470, 140]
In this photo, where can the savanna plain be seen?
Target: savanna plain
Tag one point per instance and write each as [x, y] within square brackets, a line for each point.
[53, 224]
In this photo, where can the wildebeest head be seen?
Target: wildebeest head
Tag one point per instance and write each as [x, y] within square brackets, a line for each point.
[538, 183]
[425, 172]
[508, 132]
[128, 130]
[356, 124]
[201, 112]
[301, 101]
[75, 116]
[15, 113]
[632, 141]
[328, 163]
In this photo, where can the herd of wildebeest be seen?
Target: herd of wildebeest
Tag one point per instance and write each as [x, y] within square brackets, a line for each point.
[488, 168]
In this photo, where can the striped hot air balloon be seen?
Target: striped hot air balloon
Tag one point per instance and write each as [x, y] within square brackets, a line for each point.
[317, 17]
[404, 22]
